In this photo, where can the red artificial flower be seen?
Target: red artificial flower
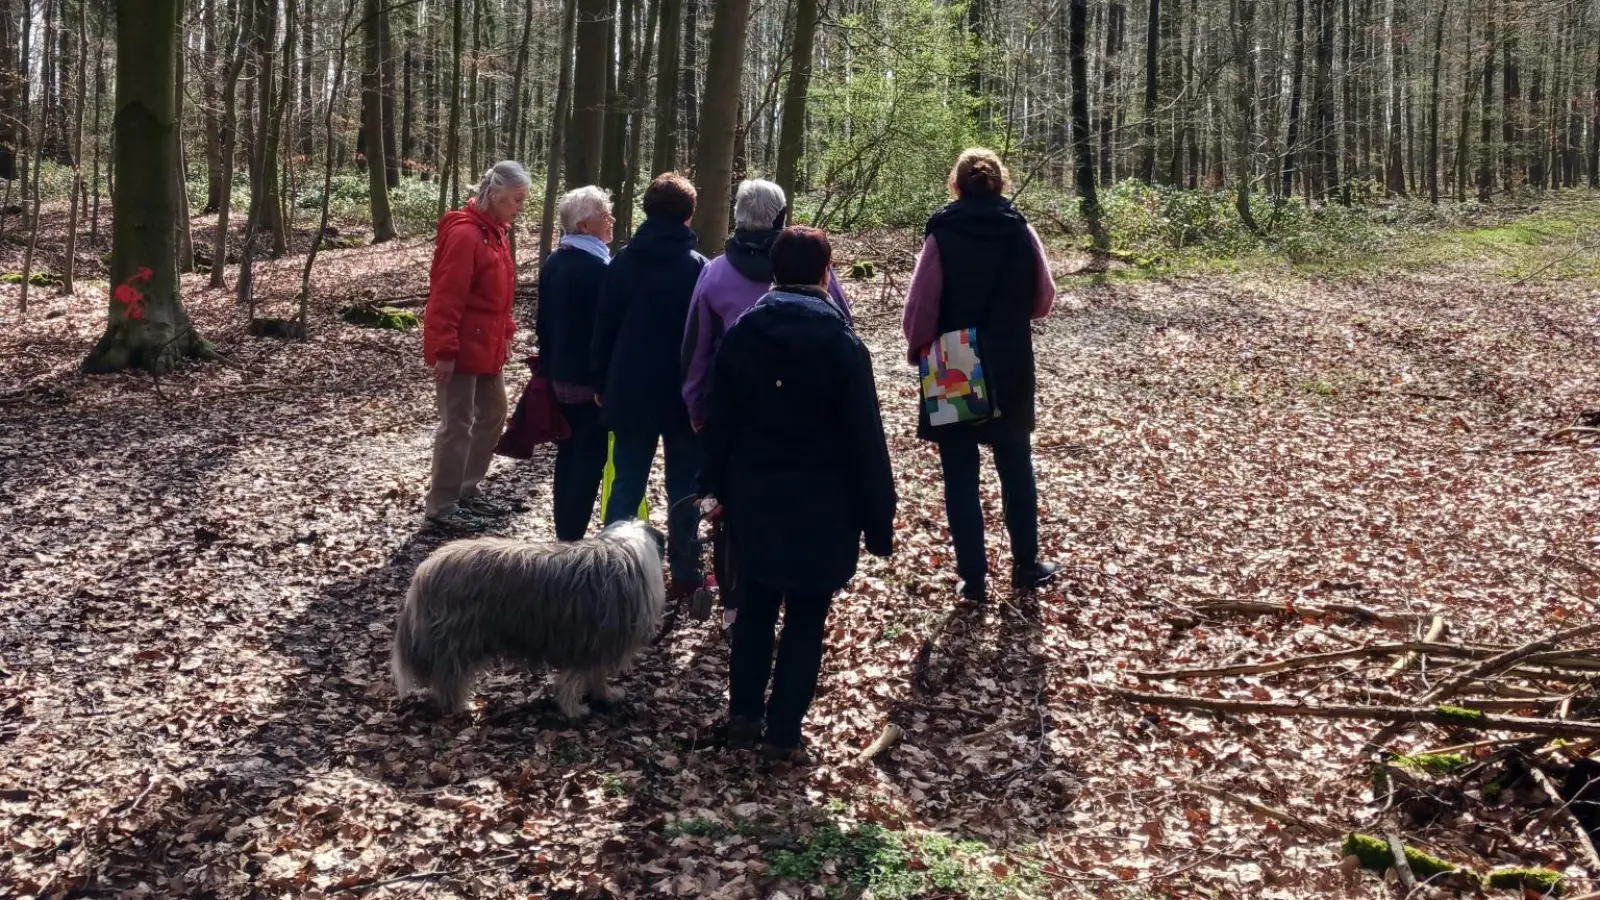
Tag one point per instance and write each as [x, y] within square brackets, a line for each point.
[136, 313]
[127, 294]
[143, 274]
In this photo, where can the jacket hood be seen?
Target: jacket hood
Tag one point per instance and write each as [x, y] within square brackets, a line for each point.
[469, 215]
[661, 238]
[750, 254]
[987, 217]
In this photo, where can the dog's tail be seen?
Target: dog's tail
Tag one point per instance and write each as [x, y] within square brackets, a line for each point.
[410, 661]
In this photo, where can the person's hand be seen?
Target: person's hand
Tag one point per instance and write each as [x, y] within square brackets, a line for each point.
[508, 348]
[696, 426]
[599, 400]
[443, 369]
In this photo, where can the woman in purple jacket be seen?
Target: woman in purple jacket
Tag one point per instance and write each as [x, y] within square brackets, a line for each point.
[732, 283]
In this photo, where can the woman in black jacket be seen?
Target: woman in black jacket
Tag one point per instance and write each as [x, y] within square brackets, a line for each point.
[796, 456]
[569, 294]
[982, 267]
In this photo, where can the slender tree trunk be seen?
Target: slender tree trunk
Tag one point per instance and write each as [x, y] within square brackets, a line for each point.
[230, 117]
[1329, 124]
[307, 104]
[1511, 104]
[1286, 184]
[1534, 150]
[475, 134]
[514, 131]
[793, 140]
[665, 156]
[1394, 175]
[151, 330]
[208, 94]
[1351, 139]
[1152, 70]
[588, 93]
[690, 81]
[1594, 127]
[558, 127]
[1082, 141]
[372, 90]
[1245, 52]
[1110, 97]
[1486, 133]
[99, 98]
[74, 207]
[449, 180]
[408, 146]
[180, 173]
[718, 123]
[327, 171]
[1433, 104]
[391, 146]
[25, 137]
[618, 96]
[641, 82]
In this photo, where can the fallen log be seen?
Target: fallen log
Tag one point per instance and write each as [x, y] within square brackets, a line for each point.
[1445, 716]
[1263, 607]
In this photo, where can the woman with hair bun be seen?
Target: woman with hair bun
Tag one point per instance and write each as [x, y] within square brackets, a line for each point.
[981, 279]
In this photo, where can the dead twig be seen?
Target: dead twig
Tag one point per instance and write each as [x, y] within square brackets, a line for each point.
[1288, 818]
[1402, 866]
[1310, 609]
[1442, 716]
[1435, 630]
[1564, 810]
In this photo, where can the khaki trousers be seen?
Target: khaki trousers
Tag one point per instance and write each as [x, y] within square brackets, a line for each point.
[472, 413]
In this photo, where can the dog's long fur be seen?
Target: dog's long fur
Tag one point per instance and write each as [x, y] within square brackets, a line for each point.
[582, 608]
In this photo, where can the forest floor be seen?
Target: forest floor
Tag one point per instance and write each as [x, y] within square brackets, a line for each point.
[199, 577]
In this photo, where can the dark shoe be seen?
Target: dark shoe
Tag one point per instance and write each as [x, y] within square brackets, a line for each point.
[792, 757]
[457, 520]
[1035, 575]
[480, 505]
[735, 731]
[973, 595]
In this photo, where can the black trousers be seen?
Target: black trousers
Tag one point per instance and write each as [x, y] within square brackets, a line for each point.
[1019, 496]
[580, 463]
[750, 663]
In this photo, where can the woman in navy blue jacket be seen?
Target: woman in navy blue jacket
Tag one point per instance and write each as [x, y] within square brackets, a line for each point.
[638, 339]
[796, 456]
[569, 297]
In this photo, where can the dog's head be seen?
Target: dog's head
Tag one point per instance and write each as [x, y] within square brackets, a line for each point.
[642, 529]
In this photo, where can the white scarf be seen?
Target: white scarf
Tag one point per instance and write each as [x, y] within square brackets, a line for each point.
[588, 243]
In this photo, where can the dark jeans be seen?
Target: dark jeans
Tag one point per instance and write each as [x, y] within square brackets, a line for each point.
[580, 461]
[799, 659]
[1014, 464]
[631, 457]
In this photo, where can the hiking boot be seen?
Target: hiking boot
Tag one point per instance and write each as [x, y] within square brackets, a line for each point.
[480, 505]
[457, 521]
[786, 757]
[1034, 575]
[735, 732]
[973, 595]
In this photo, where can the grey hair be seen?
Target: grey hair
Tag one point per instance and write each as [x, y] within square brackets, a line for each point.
[580, 204]
[757, 205]
[583, 608]
[508, 174]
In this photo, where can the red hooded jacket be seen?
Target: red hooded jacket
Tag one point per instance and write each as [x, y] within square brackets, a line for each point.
[470, 290]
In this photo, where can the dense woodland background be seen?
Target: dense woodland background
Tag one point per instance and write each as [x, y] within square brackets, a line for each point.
[857, 106]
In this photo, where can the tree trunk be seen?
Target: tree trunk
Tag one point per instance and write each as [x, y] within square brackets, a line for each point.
[264, 208]
[147, 326]
[327, 172]
[689, 81]
[1245, 52]
[208, 94]
[665, 156]
[1082, 141]
[1534, 151]
[74, 207]
[391, 146]
[1486, 132]
[371, 90]
[1394, 176]
[718, 123]
[514, 130]
[588, 93]
[180, 174]
[307, 104]
[99, 97]
[1110, 104]
[1329, 124]
[1433, 104]
[25, 137]
[1152, 70]
[558, 127]
[1286, 184]
[618, 97]
[1594, 127]
[641, 82]
[1511, 105]
[475, 134]
[230, 118]
[792, 140]
[449, 175]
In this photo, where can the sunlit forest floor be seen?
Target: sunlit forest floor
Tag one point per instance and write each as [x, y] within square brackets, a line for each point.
[199, 577]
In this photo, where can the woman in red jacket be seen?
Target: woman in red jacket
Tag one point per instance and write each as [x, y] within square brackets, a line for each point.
[466, 339]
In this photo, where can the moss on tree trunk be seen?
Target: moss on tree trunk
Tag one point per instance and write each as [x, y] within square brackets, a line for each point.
[147, 326]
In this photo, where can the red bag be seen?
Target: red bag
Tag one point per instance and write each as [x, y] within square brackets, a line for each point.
[537, 419]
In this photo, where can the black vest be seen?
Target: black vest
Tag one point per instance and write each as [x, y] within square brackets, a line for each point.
[990, 281]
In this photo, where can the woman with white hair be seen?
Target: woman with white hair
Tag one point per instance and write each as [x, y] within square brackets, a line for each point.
[466, 339]
[732, 283]
[569, 296]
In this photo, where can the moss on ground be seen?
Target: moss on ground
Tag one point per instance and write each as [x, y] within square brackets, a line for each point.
[1543, 882]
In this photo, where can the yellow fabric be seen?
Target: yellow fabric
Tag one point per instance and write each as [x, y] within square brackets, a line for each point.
[605, 482]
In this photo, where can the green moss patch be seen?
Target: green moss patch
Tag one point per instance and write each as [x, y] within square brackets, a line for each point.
[387, 317]
[1540, 881]
[37, 279]
[1460, 714]
[1433, 762]
[1375, 855]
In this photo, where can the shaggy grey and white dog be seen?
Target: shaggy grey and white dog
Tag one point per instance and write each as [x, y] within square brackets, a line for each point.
[583, 609]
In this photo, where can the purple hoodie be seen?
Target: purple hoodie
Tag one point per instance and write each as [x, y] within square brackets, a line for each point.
[720, 297]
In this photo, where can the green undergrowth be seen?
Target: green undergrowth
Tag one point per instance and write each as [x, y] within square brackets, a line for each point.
[37, 279]
[1433, 762]
[1159, 232]
[850, 859]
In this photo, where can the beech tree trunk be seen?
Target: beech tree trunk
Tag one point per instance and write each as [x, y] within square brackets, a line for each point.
[1486, 127]
[630, 181]
[514, 130]
[391, 146]
[792, 139]
[1433, 104]
[1116, 18]
[1082, 142]
[371, 89]
[719, 123]
[1246, 54]
[208, 93]
[449, 178]
[77, 154]
[147, 326]
[1297, 80]
[1152, 71]
[588, 93]
[558, 127]
[230, 118]
[665, 156]
[1394, 176]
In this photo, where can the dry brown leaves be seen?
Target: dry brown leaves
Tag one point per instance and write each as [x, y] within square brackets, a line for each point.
[198, 587]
